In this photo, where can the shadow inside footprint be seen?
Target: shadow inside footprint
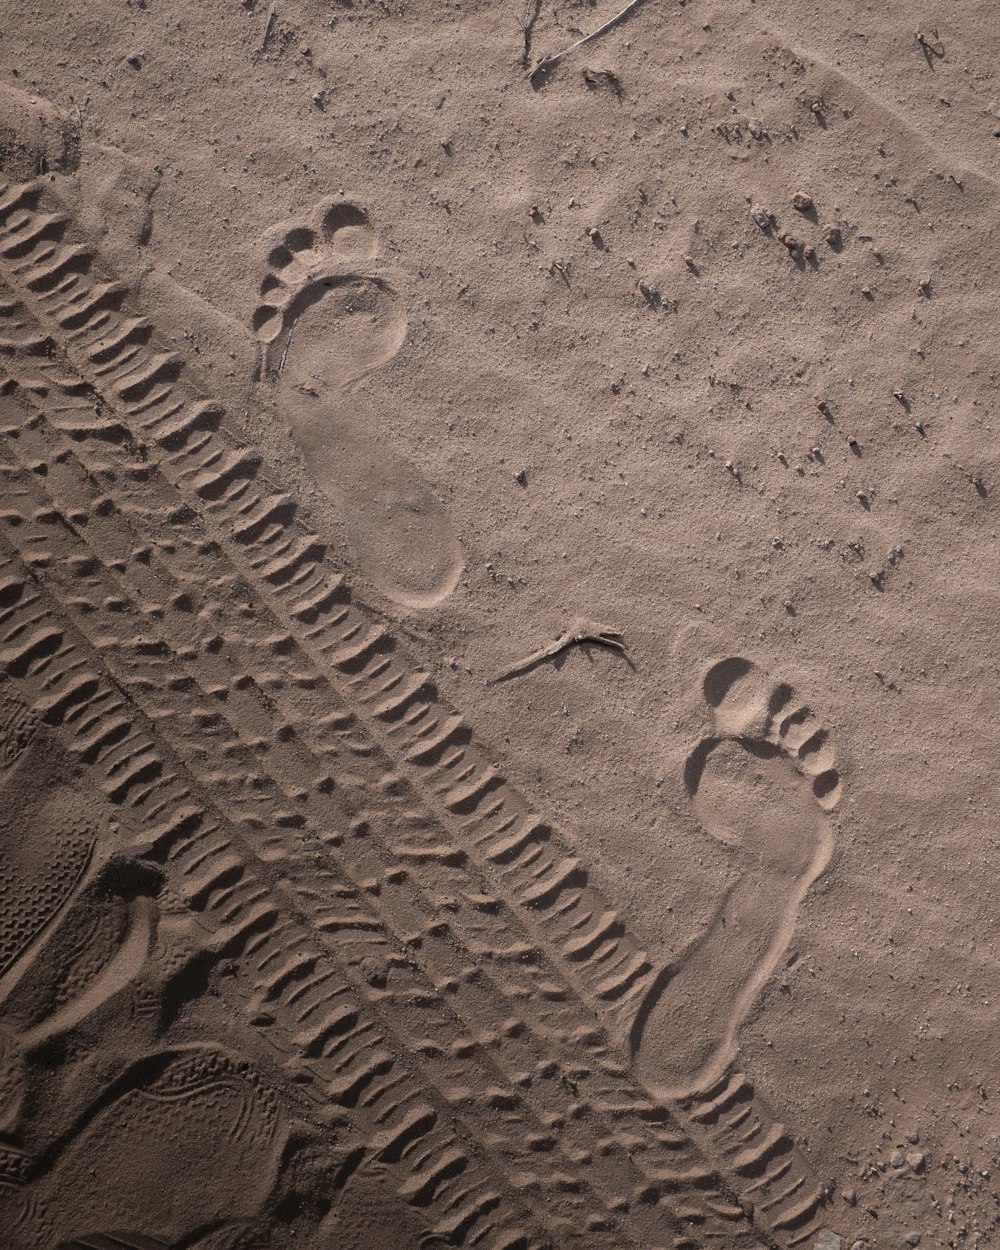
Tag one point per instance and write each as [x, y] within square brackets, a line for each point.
[760, 783]
[327, 319]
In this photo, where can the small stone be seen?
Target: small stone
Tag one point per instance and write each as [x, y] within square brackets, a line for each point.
[756, 128]
[860, 1245]
[896, 1158]
[794, 246]
[917, 1160]
[866, 291]
[521, 477]
[850, 1196]
[913, 1239]
[802, 203]
[833, 235]
[826, 1240]
[746, 1206]
[761, 216]
[913, 1138]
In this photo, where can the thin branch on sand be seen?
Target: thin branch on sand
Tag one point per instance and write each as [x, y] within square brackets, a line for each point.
[548, 63]
[576, 636]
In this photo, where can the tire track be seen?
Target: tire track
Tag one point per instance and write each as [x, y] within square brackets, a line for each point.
[336, 902]
[354, 1069]
[136, 404]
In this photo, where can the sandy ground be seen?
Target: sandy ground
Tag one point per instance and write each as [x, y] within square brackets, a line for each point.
[346, 365]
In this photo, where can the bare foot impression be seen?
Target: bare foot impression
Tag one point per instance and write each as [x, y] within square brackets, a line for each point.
[328, 318]
[761, 782]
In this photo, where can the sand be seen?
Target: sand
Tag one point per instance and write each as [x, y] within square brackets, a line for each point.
[347, 365]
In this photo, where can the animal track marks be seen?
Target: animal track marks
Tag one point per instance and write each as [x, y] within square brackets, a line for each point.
[328, 317]
[760, 781]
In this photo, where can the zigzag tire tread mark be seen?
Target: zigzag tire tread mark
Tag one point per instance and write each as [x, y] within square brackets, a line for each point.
[358, 932]
[78, 569]
[141, 399]
[355, 1070]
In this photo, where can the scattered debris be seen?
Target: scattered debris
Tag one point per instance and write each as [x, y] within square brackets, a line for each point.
[930, 44]
[598, 79]
[794, 246]
[579, 635]
[284, 350]
[762, 217]
[269, 23]
[650, 294]
[548, 63]
[532, 12]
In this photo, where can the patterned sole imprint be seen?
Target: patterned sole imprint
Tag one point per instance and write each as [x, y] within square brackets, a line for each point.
[133, 1159]
[396, 872]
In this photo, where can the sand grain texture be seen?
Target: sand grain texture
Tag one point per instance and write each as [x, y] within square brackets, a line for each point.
[345, 363]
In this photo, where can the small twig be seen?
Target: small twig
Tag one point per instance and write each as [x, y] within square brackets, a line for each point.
[288, 343]
[267, 35]
[550, 62]
[532, 12]
[571, 638]
[595, 78]
[931, 43]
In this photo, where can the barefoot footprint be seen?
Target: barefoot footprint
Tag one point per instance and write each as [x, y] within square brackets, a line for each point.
[761, 782]
[327, 318]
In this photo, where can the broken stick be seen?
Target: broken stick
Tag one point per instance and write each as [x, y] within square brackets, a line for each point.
[548, 63]
[580, 634]
[267, 35]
